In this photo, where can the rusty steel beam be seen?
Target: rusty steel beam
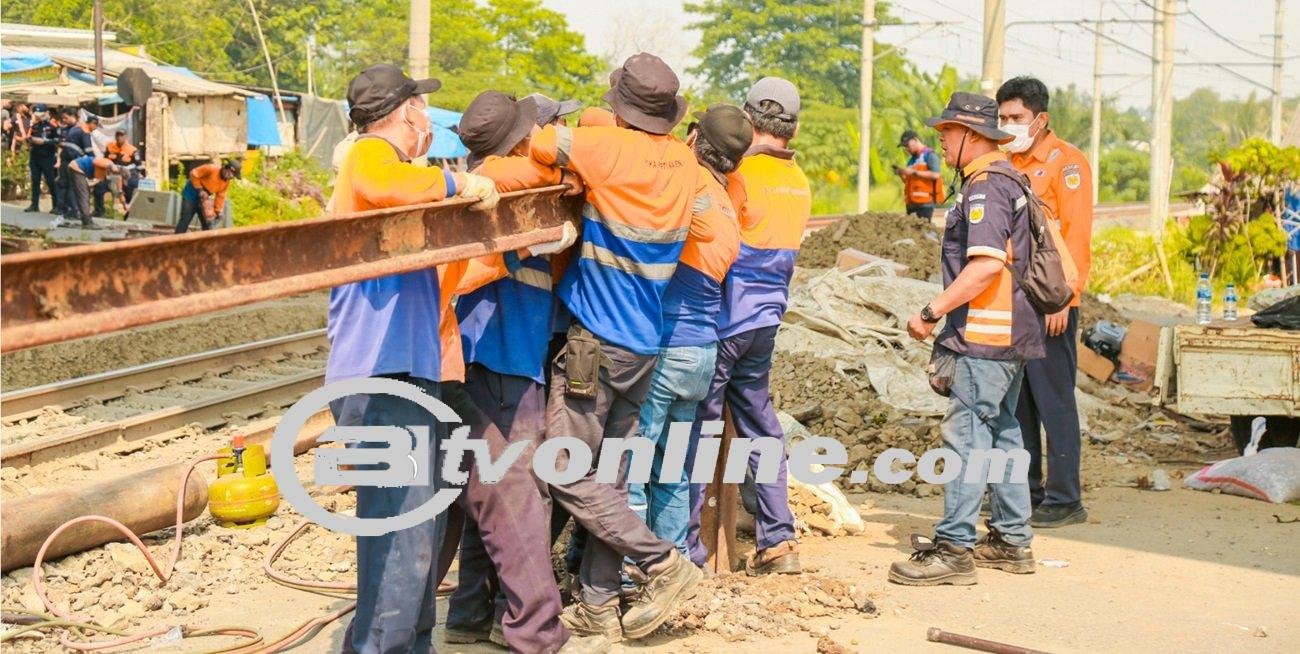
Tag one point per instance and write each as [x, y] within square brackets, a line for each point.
[58, 295]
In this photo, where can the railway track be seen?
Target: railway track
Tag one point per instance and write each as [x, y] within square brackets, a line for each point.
[210, 389]
[1128, 213]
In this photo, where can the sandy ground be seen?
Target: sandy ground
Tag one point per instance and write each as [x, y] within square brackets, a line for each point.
[1180, 571]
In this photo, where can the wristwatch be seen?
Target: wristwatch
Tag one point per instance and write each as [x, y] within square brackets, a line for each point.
[927, 314]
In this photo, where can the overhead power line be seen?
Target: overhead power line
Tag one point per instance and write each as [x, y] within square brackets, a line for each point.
[1231, 41]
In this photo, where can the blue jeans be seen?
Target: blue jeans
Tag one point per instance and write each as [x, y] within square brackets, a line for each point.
[681, 379]
[982, 416]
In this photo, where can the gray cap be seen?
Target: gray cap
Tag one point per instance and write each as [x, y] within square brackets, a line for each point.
[548, 109]
[778, 90]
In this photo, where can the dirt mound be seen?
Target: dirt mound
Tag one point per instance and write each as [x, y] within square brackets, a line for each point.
[738, 608]
[902, 238]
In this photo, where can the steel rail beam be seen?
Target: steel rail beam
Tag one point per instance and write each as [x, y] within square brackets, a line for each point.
[58, 295]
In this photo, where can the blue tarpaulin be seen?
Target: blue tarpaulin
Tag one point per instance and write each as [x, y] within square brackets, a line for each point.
[262, 128]
[446, 145]
[14, 62]
[443, 117]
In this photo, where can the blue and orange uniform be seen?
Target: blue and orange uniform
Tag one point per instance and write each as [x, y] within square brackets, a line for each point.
[505, 327]
[640, 187]
[772, 201]
[688, 351]
[386, 327]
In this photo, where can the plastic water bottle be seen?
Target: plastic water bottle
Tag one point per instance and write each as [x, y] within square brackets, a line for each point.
[1230, 302]
[1204, 296]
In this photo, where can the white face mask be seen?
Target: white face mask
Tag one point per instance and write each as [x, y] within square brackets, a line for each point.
[425, 137]
[1024, 140]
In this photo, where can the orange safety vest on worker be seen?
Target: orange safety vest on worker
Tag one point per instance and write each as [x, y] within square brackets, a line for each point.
[121, 154]
[1061, 177]
[920, 190]
[386, 325]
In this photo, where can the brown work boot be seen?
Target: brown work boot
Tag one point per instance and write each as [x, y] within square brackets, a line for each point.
[584, 619]
[466, 634]
[779, 559]
[662, 592]
[585, 645]
[993, 552]
[934, 564]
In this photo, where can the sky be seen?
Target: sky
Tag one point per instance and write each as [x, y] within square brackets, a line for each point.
[1060, 55]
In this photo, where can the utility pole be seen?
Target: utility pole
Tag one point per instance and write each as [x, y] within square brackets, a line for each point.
[1094, 140]
[311, 55]
[995, 34]
[864, 103]
[1275, 123]
[270, 67]
[99, 42]
[417, 50]
[1162, 101]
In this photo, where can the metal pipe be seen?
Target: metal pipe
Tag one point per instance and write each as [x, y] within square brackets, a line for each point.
[937, 635]
[58, 295]
[144, 502]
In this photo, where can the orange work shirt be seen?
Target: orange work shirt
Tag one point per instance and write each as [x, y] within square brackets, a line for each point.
[208, 178]
[1061, 177]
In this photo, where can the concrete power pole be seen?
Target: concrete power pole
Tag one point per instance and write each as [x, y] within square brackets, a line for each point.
[1275, 123]
[99, 42]
[1162, 111]
[995, 33]
[418, 46]
[1094, 140]
[864, 103]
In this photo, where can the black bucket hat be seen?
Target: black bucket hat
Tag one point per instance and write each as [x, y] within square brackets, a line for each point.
[727, 128]
[974, 112]
[378, 90]
[494, 123]
[643, 92]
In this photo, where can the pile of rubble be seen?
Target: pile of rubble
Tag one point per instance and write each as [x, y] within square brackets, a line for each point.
[738, 608]
[904, 239]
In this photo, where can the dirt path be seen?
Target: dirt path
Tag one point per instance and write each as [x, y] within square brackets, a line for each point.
[1180, 571]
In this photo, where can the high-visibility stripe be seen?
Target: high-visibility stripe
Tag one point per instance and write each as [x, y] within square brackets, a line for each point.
[985, 251]
[992, 314]
[532, 277]
[702, 203]
[563, 145]
[632, 233]
[653, 271]
[978, 328]
[998, 340]
[1021, 202]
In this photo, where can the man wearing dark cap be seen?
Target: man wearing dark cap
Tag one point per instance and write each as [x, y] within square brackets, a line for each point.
[688, 347]
[553, 112]
[640, 185]
[507, 592]
[43, 139]
[390, 327]
[991, 331]
[922, 183]
[772, 201]
[204, 194]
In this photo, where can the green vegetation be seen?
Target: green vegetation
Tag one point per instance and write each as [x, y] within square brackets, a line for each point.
[291, 187]
[1236, 241]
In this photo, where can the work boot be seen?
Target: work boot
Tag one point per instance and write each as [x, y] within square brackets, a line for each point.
[31, 208]
[584, 619]
[497, 636]
[89, 223]
[585, 645]
[466, 634]
[662, 592]
[1058, 515]
[781, 559]
[993, 552]
[934, 564]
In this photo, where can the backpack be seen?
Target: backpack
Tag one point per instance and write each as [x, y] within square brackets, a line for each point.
[1047, 281]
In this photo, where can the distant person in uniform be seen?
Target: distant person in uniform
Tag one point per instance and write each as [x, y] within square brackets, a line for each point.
[43, 140]
[205, 193]
[922, 184]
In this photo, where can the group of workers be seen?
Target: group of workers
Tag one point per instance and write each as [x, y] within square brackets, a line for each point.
[63, 155]
[662, 308]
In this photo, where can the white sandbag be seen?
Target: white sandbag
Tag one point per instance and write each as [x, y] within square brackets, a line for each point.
[842, 512]
[1272, 475]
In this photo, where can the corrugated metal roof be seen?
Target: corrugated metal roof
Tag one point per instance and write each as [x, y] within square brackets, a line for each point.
[165, 80]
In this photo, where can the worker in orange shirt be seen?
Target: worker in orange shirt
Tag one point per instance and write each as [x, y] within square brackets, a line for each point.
[205, 193]
[389, 327]
[1061, 177]
[922, 182]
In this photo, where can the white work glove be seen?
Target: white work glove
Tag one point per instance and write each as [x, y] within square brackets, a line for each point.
[567, 237]
[480, 187]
